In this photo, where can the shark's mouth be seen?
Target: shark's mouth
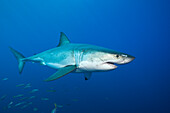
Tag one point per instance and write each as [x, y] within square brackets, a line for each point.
[111, 64]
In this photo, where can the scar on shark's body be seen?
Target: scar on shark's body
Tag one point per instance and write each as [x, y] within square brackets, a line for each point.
[70, 57]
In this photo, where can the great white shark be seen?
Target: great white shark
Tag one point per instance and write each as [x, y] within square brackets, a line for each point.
[80, 58]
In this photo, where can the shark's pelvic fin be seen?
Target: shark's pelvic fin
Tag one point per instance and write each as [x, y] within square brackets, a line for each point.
[19, 58]
[61, 72]
[63, 39]
[87, 75]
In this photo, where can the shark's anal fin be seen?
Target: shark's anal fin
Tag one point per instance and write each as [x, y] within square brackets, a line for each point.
[63, 39]
[87, 75]
[61, 72]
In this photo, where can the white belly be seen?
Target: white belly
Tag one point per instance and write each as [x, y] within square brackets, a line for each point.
[55, 65]
[85, 66]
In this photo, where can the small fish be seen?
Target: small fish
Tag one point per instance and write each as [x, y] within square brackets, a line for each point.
[59, 106]
[32, 97]
[19, 104]
[35, 109]
[24, 98]
[51, 90]
[5, 79]
[20, 95]
[34, 90]
[55, 109]
[27, 86]
[19, 85]
[44, 99]
[9, 105]
[29, 103]
[26, 105]
[3, 97]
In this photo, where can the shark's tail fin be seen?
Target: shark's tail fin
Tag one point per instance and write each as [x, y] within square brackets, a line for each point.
[19, 58]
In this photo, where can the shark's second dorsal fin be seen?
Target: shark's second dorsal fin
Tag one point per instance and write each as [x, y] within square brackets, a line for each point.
[63, 39]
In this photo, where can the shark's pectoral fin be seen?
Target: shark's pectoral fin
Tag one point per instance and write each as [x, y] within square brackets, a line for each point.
[61, 72]
[87, 75]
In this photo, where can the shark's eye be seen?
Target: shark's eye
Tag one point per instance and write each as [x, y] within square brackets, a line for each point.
[117, 56]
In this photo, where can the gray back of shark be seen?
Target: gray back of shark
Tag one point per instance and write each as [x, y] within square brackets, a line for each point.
[80, 58]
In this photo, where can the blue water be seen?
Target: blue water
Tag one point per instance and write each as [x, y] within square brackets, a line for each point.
[137, 27]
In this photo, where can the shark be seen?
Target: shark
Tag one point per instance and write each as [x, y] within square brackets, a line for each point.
[70, 57]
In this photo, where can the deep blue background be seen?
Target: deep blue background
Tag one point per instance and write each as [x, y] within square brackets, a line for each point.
[137, 27]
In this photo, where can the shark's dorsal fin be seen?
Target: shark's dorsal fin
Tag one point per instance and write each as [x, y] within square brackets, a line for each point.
[63, 39]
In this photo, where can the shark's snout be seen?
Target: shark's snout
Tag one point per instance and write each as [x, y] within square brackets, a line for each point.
[126, 59]
[129, 59]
